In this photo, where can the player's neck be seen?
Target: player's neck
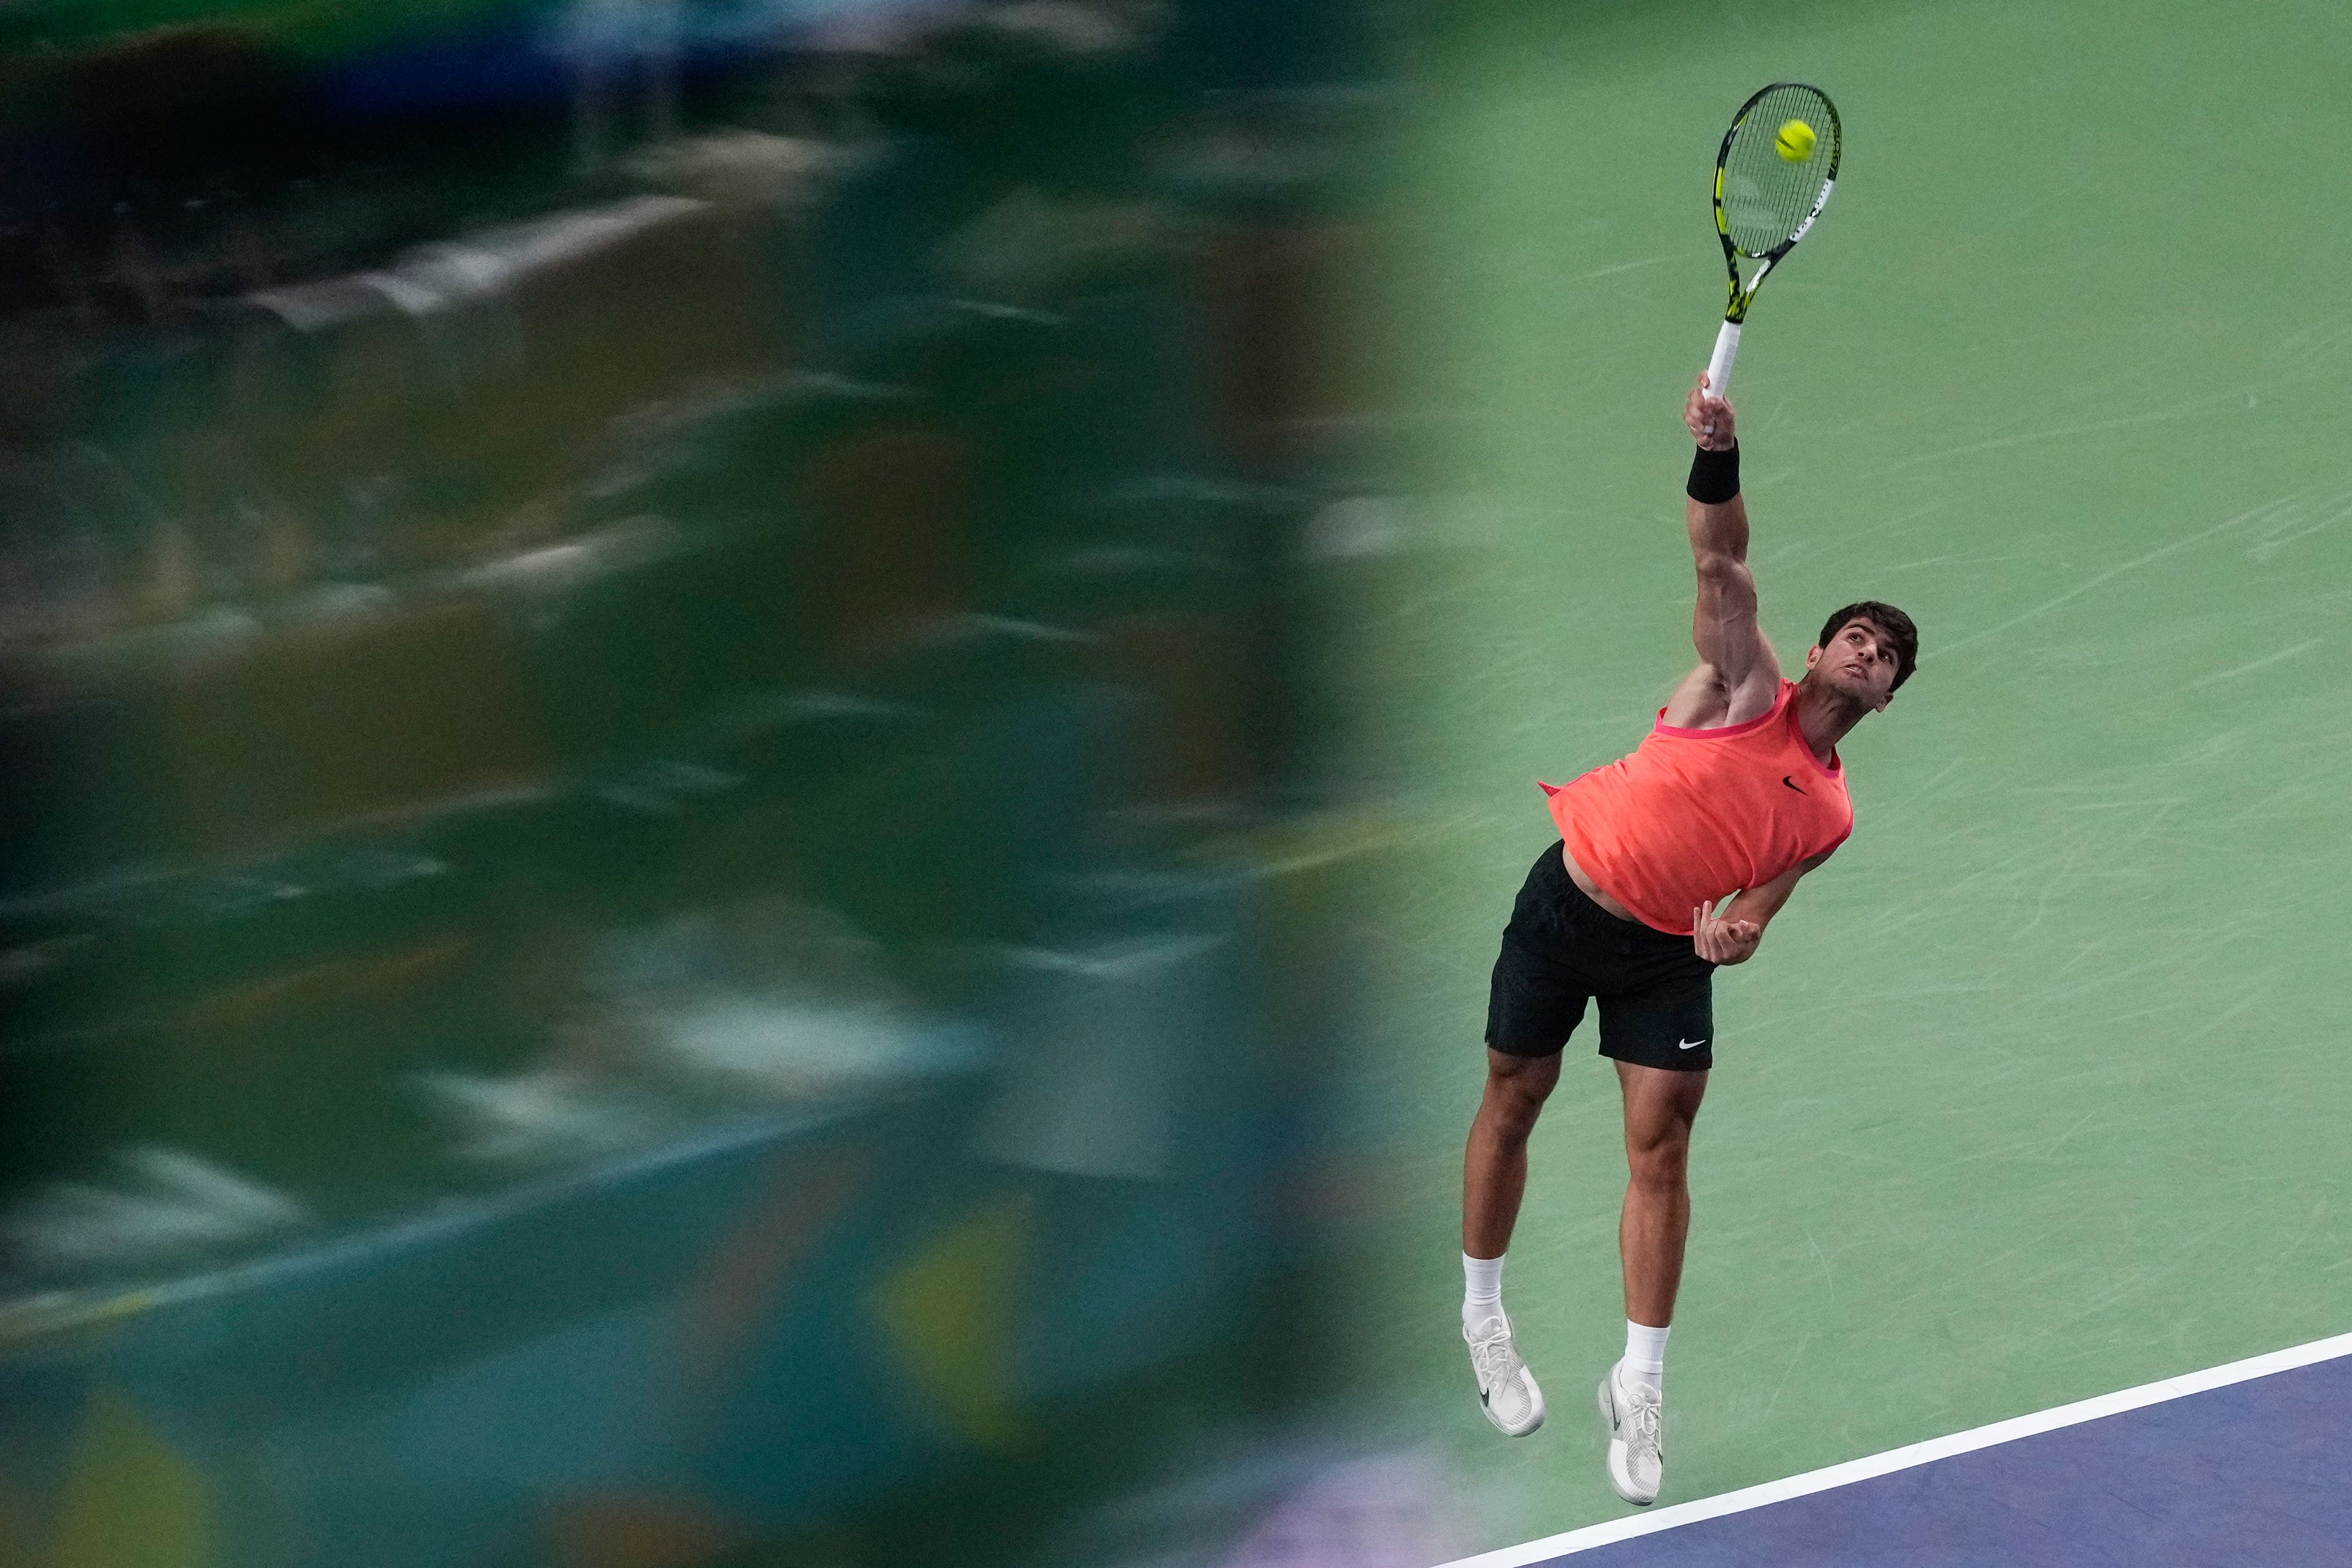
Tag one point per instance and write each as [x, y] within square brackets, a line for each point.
[1824, 717]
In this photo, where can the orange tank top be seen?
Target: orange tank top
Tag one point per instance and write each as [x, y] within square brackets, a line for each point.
[1694, 815]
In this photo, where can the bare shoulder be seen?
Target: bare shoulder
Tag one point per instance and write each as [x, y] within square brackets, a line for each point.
[1705, 700]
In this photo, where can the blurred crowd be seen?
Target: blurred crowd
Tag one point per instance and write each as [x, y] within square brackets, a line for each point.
[669, 860]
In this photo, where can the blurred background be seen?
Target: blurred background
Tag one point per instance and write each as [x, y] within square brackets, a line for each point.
[685, 781]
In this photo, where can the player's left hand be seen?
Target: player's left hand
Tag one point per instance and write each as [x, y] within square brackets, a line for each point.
[1721, 941]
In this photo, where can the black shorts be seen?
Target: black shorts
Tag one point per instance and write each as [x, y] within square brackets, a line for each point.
[1562, 950]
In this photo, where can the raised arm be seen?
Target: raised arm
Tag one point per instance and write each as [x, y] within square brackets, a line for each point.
[1738, 675]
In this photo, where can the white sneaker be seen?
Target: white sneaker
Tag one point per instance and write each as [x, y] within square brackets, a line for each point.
[1637, 1462]
[1506, 1389]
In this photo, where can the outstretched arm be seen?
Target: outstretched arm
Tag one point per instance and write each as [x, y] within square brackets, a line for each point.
[1739, 675]
[1735, 941]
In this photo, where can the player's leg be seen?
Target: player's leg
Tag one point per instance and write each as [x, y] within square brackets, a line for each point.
[1660, 1107]
[1494, 1177]
[1660, 1034]
[1538, 996]
[1495, 1167]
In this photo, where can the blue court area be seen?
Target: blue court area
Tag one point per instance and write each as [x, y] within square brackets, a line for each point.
[2251, 1473]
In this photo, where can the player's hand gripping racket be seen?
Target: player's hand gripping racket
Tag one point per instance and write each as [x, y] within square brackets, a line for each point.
[1773, 176]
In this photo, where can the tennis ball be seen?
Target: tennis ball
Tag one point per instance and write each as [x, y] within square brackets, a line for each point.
[1796, 142]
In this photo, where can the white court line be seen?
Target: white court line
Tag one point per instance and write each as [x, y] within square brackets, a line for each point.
[1895, 1459]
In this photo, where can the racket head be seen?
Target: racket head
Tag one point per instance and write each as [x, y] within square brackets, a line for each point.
[1764, 201]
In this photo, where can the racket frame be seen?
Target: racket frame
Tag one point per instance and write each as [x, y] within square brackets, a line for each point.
[1735, 313]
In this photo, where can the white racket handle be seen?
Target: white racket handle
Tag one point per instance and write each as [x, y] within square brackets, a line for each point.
[1718, 369]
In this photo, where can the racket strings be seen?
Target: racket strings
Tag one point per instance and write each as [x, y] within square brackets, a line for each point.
[1765, 196]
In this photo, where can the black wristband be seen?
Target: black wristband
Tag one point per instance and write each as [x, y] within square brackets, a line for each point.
[1714, 476]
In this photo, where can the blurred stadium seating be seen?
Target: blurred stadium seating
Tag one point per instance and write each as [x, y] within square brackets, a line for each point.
[634, 912]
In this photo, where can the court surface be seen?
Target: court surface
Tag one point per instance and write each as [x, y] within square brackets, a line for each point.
[2241, 1464]
[2038, 1091]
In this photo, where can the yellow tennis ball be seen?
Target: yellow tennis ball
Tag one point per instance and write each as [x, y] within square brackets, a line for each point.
[1796, 142]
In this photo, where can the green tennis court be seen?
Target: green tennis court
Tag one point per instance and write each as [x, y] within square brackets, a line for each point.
[2040, 1090]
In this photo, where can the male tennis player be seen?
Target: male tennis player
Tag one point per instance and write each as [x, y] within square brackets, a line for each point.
[1737, 789]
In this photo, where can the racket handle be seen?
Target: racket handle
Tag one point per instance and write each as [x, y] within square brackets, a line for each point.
[1718, 369]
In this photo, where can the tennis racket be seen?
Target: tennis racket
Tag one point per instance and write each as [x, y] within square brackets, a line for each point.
[1773, 176]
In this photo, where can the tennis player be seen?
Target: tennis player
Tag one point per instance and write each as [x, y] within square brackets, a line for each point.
[1737, 790]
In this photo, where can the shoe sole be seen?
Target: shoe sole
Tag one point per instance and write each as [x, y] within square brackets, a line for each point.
[1617, 1446]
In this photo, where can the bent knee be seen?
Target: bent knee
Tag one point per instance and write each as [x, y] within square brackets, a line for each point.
[1663, 1162]
[1513, 1120]
[1516, 1093]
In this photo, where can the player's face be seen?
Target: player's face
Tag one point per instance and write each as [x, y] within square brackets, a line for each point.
[1859, 661]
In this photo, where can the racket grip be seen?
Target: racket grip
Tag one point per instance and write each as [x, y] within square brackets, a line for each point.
[1718, 369]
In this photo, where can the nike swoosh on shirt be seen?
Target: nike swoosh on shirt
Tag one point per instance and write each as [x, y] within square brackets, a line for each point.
[1792, 783]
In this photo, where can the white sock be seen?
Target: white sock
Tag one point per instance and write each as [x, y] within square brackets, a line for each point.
[1646, 1354]
[1482, 1290]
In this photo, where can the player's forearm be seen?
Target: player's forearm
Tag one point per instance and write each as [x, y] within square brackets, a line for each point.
[1760, 904]
[1718, 533]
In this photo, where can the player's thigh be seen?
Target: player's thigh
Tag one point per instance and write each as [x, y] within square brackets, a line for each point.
[1659, 1106]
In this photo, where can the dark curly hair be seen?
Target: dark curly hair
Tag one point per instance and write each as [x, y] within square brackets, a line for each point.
[1886, 618]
